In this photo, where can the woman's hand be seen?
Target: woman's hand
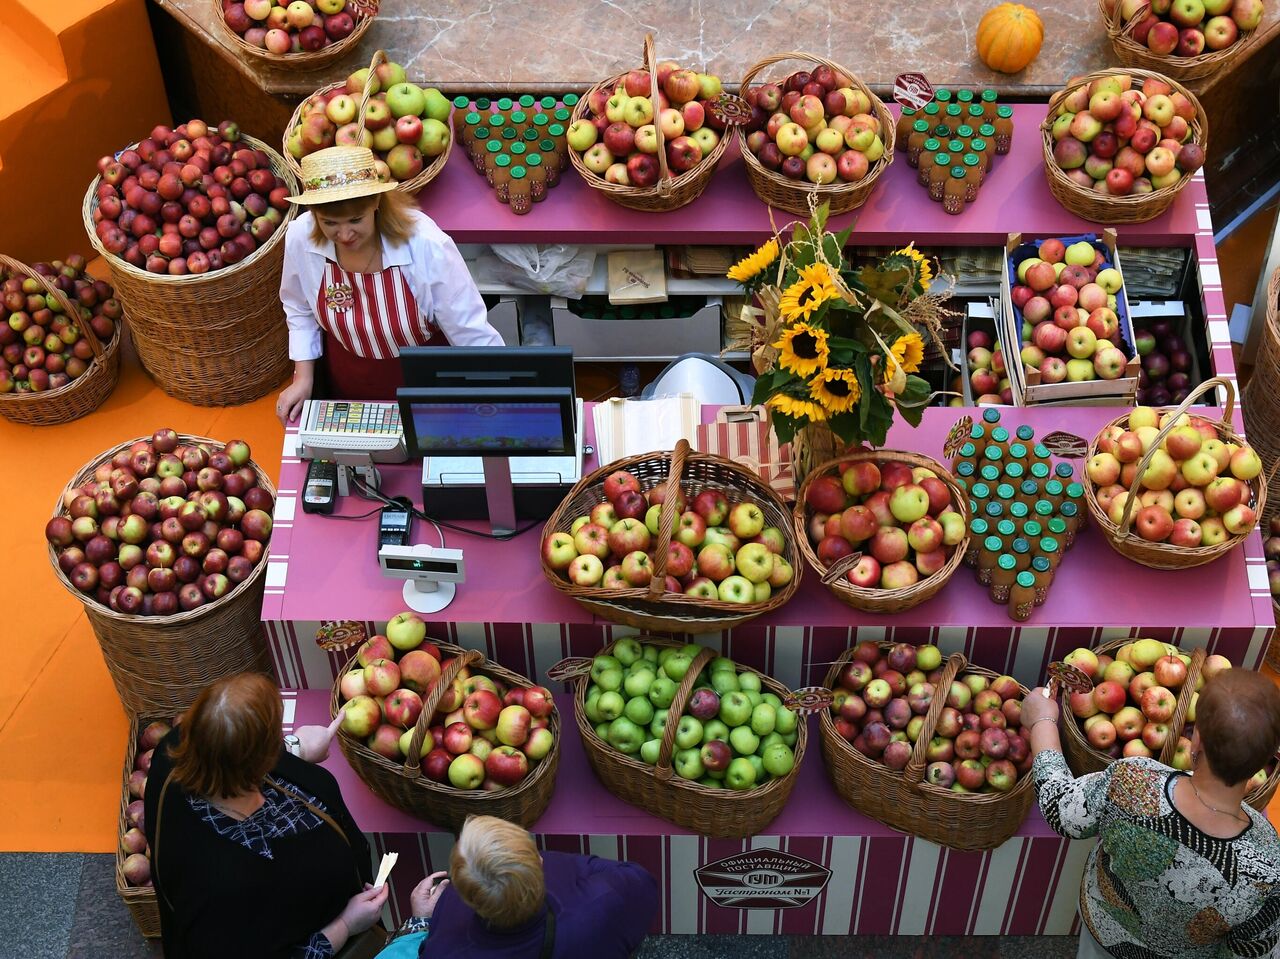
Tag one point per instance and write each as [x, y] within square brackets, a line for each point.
[289, 405]
[427, 893]
[314, 741]
[1037, 706]
[364, 909]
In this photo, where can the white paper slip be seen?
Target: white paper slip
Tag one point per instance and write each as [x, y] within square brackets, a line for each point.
[630, 427]
[384, 868]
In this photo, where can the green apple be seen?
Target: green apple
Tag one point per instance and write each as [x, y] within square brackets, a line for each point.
[406, 631]
[754, 697]
[610, 680]
[627, 651]
[785, 722]
[677, 665]
[778, 759]
[714, 729]
[653, 518]
[772, 700]
[437, 104]
[768, 740]
[724, 681]
[639, 682]
[741, 774]
[659, 724]
[711, 781]
[639, 710]
[651, 654]
[649, 750]
[735, 709]
[688, 733]
[602, 664]
[592, 707]
[763, 719]
[688, 763]
[743, 740]
[758, 765]
[749, 682]
[1109, 280]
[406, 100]
[602, 730]
[610, 706]
[625, 736]
[790, 738]
[662, 692]
[722, 663]
[665, 653]
[1079, 371]
[1079, 254]
[928, 658]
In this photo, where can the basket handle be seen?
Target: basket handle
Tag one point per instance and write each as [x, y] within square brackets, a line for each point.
[1179, 719]
[1122, 530]
[665, 180]
[69, 308]
[662, 770]
[379, 57]
[914, 771]
[667, 519]
[469, 657]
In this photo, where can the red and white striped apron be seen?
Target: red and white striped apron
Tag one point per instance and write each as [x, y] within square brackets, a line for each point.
[366, 319]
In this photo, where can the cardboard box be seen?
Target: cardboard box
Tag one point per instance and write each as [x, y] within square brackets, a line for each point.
[1028, 388]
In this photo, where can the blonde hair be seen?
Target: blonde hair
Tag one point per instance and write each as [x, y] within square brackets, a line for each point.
[496, 869]
[394, 217]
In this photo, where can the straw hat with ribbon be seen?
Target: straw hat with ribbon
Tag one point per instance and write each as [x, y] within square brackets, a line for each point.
[340, 173]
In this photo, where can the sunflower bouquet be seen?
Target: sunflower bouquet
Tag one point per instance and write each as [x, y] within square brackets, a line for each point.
[837, 346]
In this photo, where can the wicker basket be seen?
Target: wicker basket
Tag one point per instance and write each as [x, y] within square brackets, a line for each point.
[304, 61]
[673, 190]
[82, 395]
[1165, 555]
[1261, 396]
[718, 813]
[903, 800]
[159, 664]
[411, 185]
[649, 607]
[214, 339]
[403, 785]
[1130, 53]
[1101, 208]
[872, 599]
[139, 900]
[1083, 758]
[794, 195]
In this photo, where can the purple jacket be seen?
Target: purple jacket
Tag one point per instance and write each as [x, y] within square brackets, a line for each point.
[603, 909]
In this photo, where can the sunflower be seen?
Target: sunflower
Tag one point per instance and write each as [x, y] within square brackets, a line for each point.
[801, 409]
[909, 350]
[924, 271]
[836, 390]
[806, 294]
[802, 349]
[752, 266]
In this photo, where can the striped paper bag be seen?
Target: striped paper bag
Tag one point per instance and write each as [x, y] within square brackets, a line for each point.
[742, 434]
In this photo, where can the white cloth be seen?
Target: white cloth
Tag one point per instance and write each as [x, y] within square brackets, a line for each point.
[431, 262]
[1089, 947]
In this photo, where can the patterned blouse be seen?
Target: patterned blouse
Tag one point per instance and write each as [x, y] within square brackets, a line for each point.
[1155, 886]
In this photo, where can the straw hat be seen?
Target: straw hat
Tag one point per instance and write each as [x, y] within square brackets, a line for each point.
[339, 173]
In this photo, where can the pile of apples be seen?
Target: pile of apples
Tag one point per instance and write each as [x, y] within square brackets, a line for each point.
[988, 378]
[718, 550]
[1166, 364]
[484, 734]
[133, 839]
[291, 26]
[880, 701]
[164, 527]
[1066, 297]
[1194, 492]
[619, 142]
[1115, 138]
[1187, 28]
[901, 518]
[732, 734]
[188, 200]
[818, 128]
[405, 125]
[40, 348]
[1271, 548]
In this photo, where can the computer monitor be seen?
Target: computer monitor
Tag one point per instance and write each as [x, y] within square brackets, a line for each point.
[494, 367]
[503, 421]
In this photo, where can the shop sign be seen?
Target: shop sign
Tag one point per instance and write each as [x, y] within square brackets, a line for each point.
[762, 879]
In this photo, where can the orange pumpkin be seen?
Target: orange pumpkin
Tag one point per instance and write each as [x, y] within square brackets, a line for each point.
[1009, 37]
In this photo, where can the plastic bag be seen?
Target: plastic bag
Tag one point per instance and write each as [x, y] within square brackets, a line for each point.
[558, 270]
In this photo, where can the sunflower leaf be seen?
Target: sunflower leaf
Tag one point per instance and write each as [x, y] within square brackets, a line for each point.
[846, 427]
[784, 427]
[912, 401]
[879, 418]
[767, 384]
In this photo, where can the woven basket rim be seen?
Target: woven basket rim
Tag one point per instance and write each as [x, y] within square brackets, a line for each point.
[1128, 50]
[303, 60]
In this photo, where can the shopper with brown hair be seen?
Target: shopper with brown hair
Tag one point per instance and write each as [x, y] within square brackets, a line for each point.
[1183, 868]
[253, 850]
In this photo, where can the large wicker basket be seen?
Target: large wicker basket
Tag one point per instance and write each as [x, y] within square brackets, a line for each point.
[214, 339]
[902, 799]
[82, 395]
[139, 900]
[303, 61]
[1261, 396]
[1103, 208]
[412, 185]
[874, 599]
[159, 664]
[1083, 758]
[1165, 555]
[657, 789]
[649, 607]
[673, 190]
[1130, 53]
[794, 195]
[403, 785]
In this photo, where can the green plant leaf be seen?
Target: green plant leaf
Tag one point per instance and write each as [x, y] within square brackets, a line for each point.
[913, 400]
[784, 427]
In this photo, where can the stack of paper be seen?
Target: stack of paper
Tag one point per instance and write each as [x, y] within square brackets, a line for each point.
[630, 427]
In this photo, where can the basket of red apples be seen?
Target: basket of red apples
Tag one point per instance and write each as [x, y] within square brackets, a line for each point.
[824, 136]
[884, 529]
[133, 855]
[441, 734]
[1185, 39]
[191, 222]
[303, 34]
[649, 139]
[680, 542]
[1170, 490]
[164, 539]
[932, 748]
[1143, 703]
[406, 126]
[60, 348]
[1118, 147]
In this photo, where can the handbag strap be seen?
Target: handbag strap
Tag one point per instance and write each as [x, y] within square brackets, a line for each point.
[548, 936]
[155, 845]
[323, 815]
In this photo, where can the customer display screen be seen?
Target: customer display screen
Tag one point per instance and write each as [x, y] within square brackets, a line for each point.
[480, 426]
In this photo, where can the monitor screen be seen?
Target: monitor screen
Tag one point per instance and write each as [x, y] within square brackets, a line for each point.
[420, 565]
[457, 367]
[488, 422]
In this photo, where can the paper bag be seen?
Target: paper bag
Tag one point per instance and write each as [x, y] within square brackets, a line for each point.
[742, 434]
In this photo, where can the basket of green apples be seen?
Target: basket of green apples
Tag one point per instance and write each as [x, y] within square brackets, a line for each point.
[688, 735]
